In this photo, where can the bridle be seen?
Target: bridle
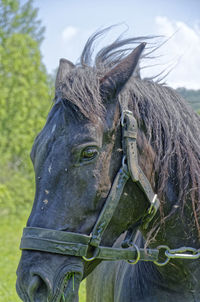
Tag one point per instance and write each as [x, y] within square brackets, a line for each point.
[75, 244]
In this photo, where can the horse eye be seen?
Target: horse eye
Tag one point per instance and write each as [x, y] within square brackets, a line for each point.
[89, 153]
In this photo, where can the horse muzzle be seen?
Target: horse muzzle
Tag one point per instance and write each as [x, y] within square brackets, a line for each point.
[43, 277]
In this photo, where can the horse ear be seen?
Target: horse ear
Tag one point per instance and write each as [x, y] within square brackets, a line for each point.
[112, 83]
[64, 67]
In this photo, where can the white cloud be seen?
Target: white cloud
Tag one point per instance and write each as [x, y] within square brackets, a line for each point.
[183, 48]
[69, 32]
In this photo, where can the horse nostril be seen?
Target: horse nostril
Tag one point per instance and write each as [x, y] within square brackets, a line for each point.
[38, 289]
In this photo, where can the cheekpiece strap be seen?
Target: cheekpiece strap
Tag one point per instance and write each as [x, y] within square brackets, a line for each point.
[129, 132]
[109, 206]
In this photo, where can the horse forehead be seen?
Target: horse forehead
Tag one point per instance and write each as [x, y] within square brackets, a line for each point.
[68, 132]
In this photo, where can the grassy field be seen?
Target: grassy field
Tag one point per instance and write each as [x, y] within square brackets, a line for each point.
[10, 233]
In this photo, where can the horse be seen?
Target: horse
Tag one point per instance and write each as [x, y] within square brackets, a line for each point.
[117, 199]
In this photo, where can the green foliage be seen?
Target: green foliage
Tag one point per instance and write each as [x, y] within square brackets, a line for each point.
[16, 190]
[25, 94]
[191, 96]
[16, 18]
[10, 233]
[22, 96]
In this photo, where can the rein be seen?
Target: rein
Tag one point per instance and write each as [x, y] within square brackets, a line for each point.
[75, 244]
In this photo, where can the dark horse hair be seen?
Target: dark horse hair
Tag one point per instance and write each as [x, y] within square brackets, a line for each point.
[171, 127]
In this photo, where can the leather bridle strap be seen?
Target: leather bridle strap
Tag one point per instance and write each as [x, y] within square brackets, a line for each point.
[66, 243]
[129, 133]
[109, 206]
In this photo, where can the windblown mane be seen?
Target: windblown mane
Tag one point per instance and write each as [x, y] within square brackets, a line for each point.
[171, 126]
[172, 129]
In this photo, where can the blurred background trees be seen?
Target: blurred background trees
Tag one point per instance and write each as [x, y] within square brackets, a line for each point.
[25, 99]
[191, 96]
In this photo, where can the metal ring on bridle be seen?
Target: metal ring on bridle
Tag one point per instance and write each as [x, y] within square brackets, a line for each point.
[167, 260]
[96, 252]
[138, 255]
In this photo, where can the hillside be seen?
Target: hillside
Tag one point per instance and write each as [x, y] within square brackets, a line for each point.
[191, 96]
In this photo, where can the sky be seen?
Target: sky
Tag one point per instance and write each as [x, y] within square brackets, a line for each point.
[69, 23]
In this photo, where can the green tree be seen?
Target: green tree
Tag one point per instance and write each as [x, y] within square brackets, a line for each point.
[16, 18]
[24, 99]
[24, 95]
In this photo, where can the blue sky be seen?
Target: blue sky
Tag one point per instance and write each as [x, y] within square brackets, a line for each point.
[70, 22]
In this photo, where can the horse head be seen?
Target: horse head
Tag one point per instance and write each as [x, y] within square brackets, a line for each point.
[76, 157]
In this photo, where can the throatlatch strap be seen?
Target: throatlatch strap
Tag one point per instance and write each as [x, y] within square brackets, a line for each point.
[152, 198]
[129, 132]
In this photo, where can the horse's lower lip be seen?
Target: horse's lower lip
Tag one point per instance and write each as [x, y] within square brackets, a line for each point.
[70, 288]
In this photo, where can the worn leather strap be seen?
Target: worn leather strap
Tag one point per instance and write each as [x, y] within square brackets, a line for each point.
[152, 198]
[129, 133]
[73, 244]
[110, 206]
[54, 241]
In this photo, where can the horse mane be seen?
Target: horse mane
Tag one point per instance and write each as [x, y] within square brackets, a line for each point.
[172, 129]
[171, 126]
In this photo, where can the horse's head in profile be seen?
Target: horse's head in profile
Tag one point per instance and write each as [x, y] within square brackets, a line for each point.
[76, 157]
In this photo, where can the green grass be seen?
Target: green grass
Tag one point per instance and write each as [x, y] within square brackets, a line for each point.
[10, 234]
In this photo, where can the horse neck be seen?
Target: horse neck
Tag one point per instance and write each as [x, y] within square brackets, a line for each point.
[172, 228]
[172, 225]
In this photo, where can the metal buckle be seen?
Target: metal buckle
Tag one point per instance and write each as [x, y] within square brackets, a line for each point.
[124, 112]
[153, 205]
[151, 212]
